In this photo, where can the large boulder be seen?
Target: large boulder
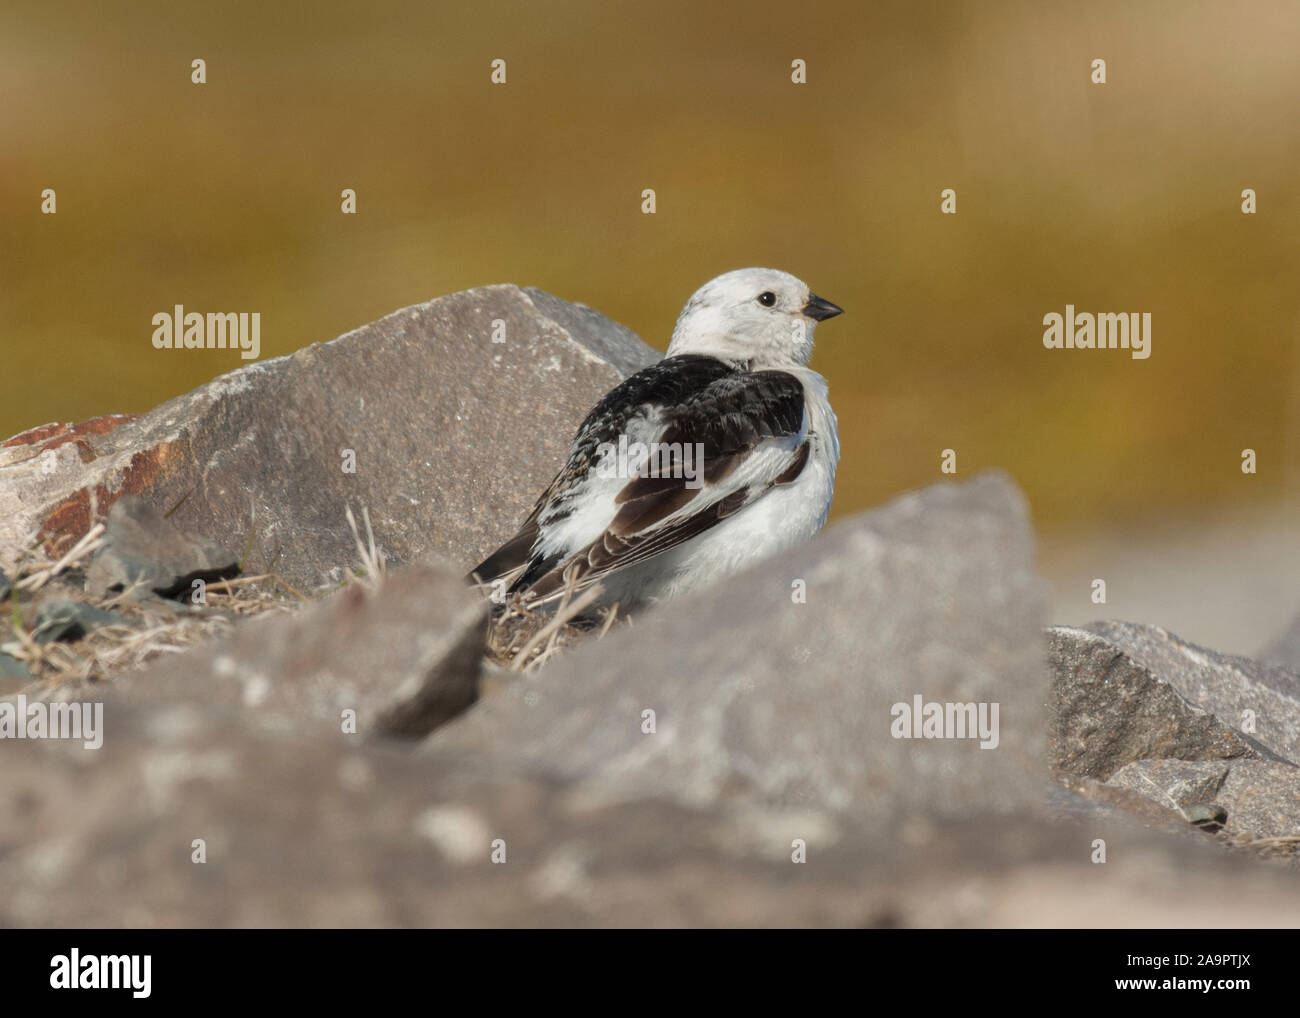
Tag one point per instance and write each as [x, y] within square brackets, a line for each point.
[456, 413]
[188, 817]
[783, 688]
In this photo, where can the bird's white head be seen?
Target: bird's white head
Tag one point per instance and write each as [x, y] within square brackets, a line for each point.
[761, 315]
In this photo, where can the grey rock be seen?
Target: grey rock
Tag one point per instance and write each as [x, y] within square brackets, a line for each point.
[763, 700]
[605, 338]
[70, 620]
[1097, 801]
[405, 658]
[5, 586]
[428, 403]
[1176, 784]
[143, 547]
[1207, 816]
[300, 831]
[1108, 711]
[1260, 798]
[13, 674]
[1225, 684]
[1149, 713]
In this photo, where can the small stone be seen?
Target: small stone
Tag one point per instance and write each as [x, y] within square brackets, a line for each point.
[68, 621]
[13, 674]
[141, 546]
[1208, 816]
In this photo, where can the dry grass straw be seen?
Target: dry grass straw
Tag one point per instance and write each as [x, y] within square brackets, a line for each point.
[151, 627]
[523, 635]
[1286, 847]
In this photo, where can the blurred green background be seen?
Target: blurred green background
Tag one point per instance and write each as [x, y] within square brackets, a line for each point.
[1115, 197]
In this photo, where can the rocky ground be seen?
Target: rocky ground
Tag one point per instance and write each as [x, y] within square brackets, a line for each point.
[310, 720]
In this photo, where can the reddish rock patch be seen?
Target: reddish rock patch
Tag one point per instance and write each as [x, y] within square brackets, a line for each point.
[69, 521]
[55, 434]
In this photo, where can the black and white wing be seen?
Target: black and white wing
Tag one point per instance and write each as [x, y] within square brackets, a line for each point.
[750, 428]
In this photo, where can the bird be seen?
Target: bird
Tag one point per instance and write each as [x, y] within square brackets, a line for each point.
[720, 454]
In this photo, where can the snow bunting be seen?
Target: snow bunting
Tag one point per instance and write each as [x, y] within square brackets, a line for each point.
[720, 454]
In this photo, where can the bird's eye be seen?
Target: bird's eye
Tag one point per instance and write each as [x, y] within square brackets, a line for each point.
[767, 298]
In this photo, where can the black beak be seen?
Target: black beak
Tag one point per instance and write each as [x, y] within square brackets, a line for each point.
[819, 309]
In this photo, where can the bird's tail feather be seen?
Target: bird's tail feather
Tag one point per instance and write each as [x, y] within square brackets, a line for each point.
[511, 556]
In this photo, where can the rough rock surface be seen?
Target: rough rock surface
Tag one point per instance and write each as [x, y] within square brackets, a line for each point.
[1108, 711]
[777, 687]
[298, 831]
[1089, 799]
[425, 398]
[404, 657]
[1224, 684]
[1176, 784]
[1261, 797]
[1196, 731]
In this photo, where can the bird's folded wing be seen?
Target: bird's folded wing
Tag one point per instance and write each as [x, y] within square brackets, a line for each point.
[719, 449]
